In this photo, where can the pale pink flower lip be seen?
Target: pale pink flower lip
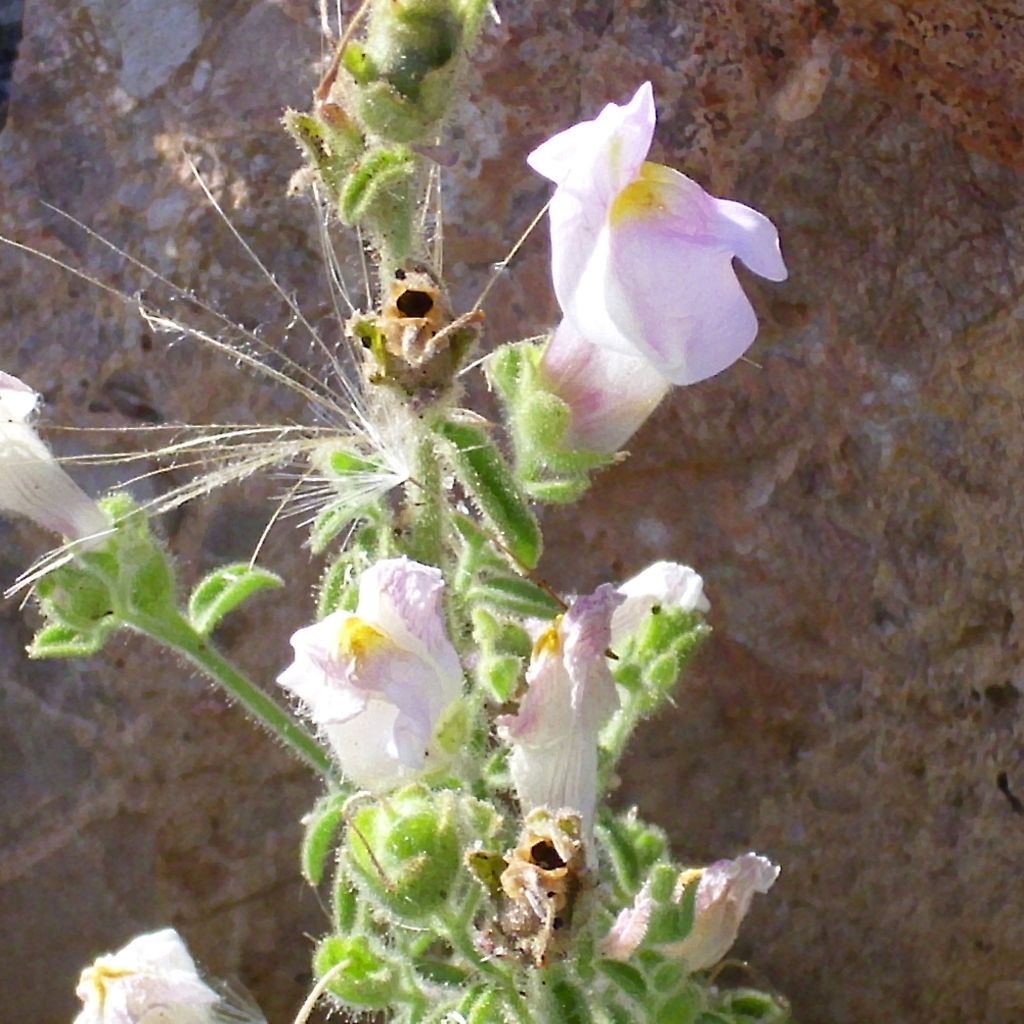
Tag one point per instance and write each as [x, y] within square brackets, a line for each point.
[599, 158]
[32, 483]
[642, 255]
[571, 696]
[378, 680]
[724, 894]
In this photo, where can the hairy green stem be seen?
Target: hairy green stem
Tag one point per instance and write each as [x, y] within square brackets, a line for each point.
[179, 636]
[455, 928]
[425, 506]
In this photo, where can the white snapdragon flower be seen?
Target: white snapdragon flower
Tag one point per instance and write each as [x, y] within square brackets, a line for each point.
[32, 483]
[661, 585]
[725, 890]
[570, 698]
[642, 268]
[377, 681]
[152, 980]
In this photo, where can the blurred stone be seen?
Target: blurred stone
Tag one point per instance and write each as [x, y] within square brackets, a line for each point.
[150, 39]
[852, 499]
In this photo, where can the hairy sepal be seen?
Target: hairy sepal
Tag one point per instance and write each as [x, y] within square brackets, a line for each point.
[549, 469]
[486, 476]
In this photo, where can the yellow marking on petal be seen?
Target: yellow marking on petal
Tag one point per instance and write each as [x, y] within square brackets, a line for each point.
[643, 196]
[357, 637]
[549, 642]
[99, 974]
[685, 879]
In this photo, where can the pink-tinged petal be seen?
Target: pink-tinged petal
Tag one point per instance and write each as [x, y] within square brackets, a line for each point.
[595, 159]
[586, 636]
[752, 236]
[591, 162]
[724, 894]
[32, 483]
[576, 229]
[571, 696]
[679, 302]
[555, 158]
[663, 584]
[629, 928]
[406, 599]
[610, 395]
[319, 677]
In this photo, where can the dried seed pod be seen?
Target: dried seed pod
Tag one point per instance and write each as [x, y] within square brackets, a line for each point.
[415, 342]
[537, 893]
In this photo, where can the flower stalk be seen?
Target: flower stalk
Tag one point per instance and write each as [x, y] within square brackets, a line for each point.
[177, 634]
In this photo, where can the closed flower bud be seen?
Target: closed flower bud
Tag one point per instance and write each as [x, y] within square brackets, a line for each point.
[664, 585]
[378, 681]
[32, 483]
[407, 850]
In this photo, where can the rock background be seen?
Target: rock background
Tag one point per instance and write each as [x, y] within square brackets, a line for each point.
[853, 500]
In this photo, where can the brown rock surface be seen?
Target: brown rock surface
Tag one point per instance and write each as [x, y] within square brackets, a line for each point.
[853, 503]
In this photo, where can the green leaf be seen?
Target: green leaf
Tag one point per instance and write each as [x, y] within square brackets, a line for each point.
[322, 825]
[440, 973]
[378, 195]
[406, 851]
[671, 921]
[379, 169]
[548, 469]
[667, 976]
[516, 596]
[625, 977]
[345, 904]
[223, 591]
[679, 1009]
[487, 1008]
[484, 473]
[569, 1004]
[60, 641]
[634, 847]
[616, 840]
[618, 1014]
[331, 521]
[501, 673]
[757, 1006]
[358, 63]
